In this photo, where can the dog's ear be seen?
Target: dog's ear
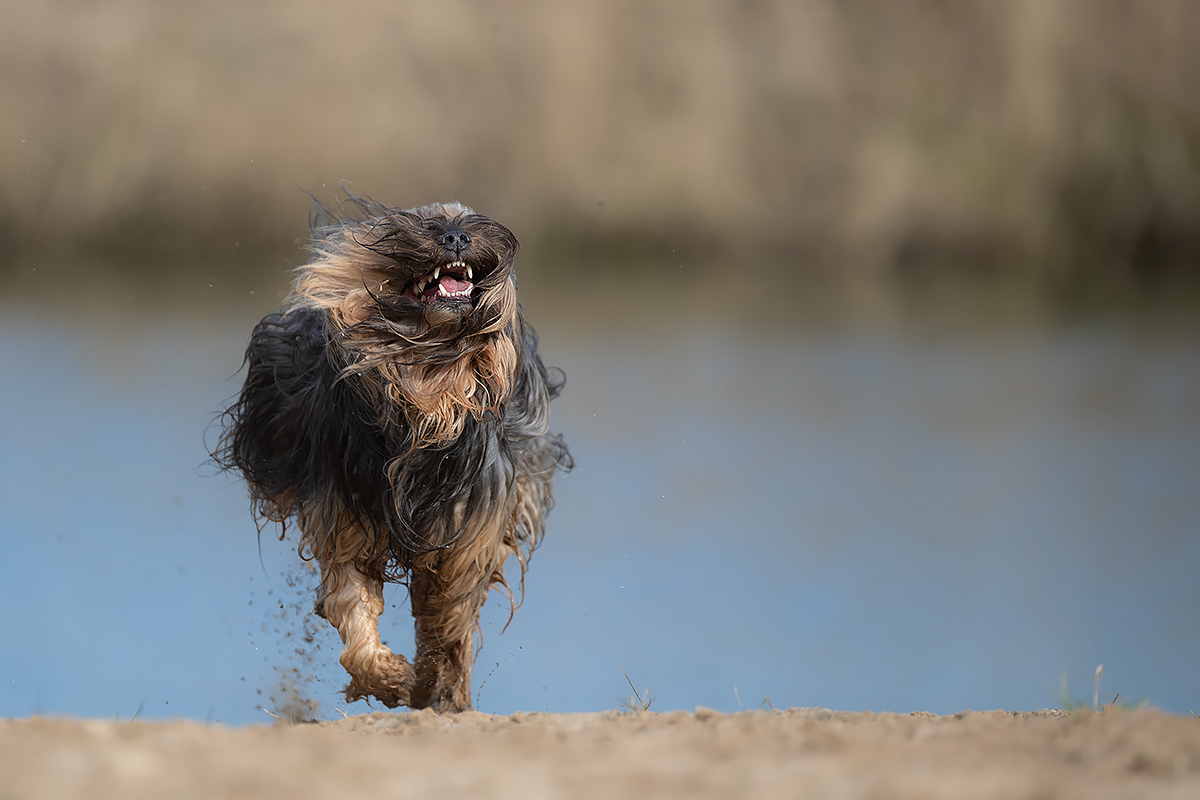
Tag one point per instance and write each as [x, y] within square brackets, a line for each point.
[296, 420]
[499, 242]
[527, 411]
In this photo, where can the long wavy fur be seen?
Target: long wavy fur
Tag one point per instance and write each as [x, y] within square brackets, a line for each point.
[397, 409]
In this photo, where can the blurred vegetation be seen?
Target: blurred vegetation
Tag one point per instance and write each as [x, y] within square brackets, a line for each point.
[1054, 141]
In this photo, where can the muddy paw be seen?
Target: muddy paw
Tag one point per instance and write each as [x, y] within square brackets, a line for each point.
[389, 682]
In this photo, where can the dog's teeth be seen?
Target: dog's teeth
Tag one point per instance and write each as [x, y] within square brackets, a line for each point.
[436, 272]
[470, 274]
[442, 291]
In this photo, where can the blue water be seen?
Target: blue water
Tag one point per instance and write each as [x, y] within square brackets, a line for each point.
[856, 519]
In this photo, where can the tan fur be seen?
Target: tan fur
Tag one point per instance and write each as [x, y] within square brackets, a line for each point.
[434, 396]
[447, 588]
[353, 605]
[425, 372]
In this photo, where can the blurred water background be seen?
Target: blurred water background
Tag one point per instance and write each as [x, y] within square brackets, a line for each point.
[879, 320]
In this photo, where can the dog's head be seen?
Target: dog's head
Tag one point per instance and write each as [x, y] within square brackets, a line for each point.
[436, 271]
[421, 304]
[447, 260]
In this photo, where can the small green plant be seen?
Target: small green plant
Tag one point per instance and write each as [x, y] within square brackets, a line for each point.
[636, 704]
[765, 705]
[1068, 702]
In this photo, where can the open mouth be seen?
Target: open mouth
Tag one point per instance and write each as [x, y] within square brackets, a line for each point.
[451, 282]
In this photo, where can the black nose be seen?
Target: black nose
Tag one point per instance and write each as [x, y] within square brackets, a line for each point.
[455, 241]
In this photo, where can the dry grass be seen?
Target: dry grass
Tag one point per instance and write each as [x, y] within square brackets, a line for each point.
[1034, 134]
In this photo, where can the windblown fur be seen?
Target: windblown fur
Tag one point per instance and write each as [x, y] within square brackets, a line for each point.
[397, 410]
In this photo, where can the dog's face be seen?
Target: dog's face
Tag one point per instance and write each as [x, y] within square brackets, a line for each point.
[445, 262]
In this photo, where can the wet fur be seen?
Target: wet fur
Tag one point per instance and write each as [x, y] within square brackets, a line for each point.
[409, 441]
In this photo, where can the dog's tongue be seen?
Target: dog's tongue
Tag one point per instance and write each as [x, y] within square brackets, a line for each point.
[452, 284]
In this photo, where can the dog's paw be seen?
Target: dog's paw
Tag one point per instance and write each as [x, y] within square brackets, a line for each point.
[449, 704]
[389, 681]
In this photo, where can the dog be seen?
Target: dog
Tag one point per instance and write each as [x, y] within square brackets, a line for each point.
[397, 411]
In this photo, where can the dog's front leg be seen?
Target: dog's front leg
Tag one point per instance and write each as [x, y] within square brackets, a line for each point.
[352, 604]
[446, 600]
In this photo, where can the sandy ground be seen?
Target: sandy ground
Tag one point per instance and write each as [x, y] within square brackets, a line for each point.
[797, 752]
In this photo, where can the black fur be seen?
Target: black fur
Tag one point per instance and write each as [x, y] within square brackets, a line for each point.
[299, 426]
[296, 428]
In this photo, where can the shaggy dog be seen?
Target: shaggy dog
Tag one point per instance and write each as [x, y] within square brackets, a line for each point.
[397, 410]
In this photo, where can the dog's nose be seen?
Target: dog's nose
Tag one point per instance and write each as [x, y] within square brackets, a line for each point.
[455, 241]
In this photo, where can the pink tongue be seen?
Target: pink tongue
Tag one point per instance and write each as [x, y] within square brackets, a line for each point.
[452, 284]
